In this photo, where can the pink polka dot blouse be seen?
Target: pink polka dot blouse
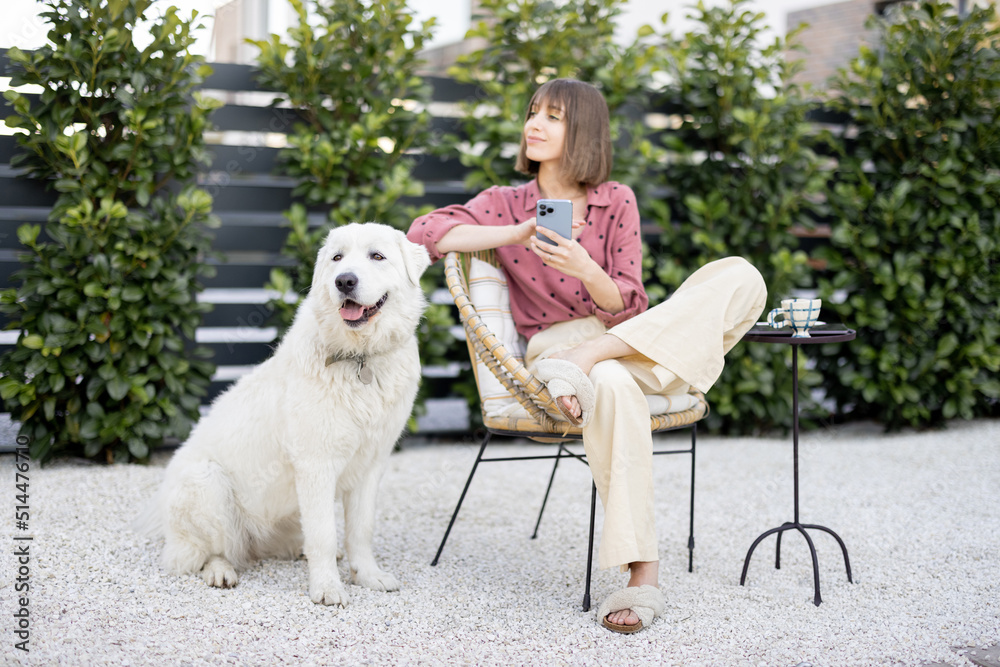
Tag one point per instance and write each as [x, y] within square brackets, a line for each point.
[541, 296]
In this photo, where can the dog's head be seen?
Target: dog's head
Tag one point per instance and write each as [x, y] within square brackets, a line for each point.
[369, 273]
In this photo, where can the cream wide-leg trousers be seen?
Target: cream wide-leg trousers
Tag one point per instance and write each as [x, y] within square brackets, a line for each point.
[681, 343]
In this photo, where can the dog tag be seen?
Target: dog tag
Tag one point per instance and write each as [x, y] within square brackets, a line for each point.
[365, 373]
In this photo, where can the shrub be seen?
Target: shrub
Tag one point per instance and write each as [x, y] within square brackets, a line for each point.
[350, 72]
[741, 176]
[105, 306]
[917, 201]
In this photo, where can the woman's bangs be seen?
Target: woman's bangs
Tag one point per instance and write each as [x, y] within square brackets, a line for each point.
[554, 94]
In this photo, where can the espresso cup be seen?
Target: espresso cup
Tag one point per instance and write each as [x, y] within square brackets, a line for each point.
[799, 314]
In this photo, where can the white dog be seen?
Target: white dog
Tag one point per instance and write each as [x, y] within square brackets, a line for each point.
[260, 473]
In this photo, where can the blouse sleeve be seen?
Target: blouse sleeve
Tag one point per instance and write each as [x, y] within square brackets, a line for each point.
[624, 259]
[428, 229]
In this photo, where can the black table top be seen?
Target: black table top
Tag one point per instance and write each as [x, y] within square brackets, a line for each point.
[821, 333]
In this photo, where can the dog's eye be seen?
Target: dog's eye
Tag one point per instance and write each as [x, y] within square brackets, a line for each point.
[338, 257]
[377, 256]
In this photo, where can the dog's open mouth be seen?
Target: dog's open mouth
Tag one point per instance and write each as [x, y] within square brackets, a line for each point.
[355, 315]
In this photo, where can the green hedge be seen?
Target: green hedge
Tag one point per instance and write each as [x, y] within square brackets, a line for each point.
[741, 176]
[916, 197]
[346, 69]
[351, 69]
[104, 364]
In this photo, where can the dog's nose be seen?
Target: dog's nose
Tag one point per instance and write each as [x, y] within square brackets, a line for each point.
[346, 282]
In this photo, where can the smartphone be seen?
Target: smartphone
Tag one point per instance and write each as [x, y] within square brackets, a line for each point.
[554, 214]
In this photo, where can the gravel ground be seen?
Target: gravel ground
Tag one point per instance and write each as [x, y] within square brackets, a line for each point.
[918, 512]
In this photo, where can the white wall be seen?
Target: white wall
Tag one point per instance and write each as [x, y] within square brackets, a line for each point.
[639, 12]
[24, 28]
[451, 24]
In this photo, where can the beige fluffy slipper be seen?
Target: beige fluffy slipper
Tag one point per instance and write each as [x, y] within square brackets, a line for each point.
[564, 378]
[646, 601]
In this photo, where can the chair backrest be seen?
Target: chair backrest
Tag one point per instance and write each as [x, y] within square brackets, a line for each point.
[513, 400]
[490, 296]
[498, 360]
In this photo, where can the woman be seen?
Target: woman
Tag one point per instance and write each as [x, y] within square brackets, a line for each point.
[582, 308]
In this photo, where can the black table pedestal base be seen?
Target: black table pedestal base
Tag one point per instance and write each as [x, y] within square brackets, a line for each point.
[801, 527]
[830, 335]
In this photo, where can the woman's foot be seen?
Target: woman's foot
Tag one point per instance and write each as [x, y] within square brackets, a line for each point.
[641, 573]
[573, 355]
[586, 355]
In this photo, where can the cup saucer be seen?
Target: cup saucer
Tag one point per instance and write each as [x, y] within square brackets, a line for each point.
[816, 324]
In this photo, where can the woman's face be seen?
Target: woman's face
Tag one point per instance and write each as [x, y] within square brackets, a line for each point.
[545, 133]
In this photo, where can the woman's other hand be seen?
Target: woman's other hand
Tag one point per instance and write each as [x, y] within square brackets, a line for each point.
[524, 232]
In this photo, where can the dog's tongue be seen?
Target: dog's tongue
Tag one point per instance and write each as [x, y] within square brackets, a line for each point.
[352, 311]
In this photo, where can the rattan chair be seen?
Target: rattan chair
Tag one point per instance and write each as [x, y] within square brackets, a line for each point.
[540, 419]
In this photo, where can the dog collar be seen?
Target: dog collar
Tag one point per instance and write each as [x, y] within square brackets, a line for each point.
[365, 373]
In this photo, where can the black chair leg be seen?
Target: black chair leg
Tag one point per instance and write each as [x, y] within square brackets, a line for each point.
[590, 546]
[461, 498]
[545, 500]
[694, 440]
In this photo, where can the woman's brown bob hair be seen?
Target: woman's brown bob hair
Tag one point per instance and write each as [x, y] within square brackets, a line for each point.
[587, 153]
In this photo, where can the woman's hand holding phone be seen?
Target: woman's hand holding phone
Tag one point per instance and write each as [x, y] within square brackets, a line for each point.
[554, 226]
[564, 254]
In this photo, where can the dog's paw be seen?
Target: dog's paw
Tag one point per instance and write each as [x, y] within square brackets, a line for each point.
[377, 580]
[329, 594]
[219, 573]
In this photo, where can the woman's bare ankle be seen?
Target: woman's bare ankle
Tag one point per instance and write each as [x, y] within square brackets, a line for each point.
[644, 573]
[587, 354]
[576, 355]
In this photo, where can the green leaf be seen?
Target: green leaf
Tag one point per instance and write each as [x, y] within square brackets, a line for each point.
[93, 290]
[33, 342]
[132, 293]
[67, 185]
[138, 448]
[9, 388]
[89, 428]
[28, 234]
[118, 387]
[947, 345]
[78, 142]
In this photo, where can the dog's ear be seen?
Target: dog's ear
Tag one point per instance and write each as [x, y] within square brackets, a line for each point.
[415, 258]
[322, 258]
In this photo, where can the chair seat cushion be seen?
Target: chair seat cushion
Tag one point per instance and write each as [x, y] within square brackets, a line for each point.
[662, 405]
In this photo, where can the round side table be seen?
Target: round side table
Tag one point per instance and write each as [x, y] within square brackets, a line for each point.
[825, 333]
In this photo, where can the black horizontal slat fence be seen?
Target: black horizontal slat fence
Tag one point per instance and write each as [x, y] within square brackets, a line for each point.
[249, 198]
